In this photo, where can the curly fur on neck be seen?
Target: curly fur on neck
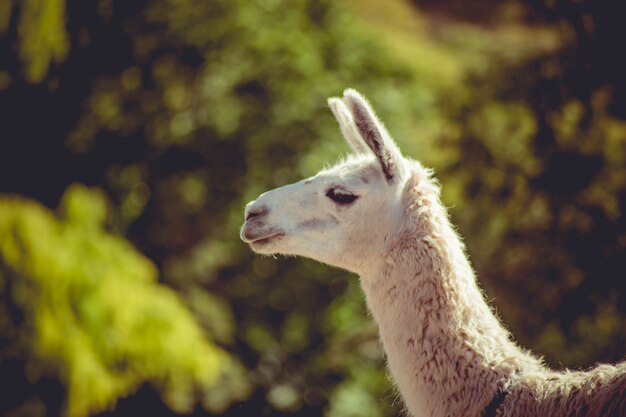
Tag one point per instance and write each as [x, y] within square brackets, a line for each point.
[449, 354]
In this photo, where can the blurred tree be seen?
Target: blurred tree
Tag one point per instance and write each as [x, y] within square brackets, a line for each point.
[81, 305]
[542, 171]
[42, 39]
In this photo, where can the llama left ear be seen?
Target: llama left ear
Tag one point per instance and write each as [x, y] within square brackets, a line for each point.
[346, 123]
[374, 135]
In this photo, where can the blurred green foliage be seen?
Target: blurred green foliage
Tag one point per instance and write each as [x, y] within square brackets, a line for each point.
[181, 111]
[222, 124]
[41, 34]
[84, 306]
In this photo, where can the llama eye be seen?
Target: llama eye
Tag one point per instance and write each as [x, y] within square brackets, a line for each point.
[341, 197]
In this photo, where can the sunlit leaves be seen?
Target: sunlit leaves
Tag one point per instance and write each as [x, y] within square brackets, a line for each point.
[42, 38]
[95, 317]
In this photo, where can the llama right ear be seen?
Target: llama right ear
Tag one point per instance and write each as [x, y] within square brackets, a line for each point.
[346, 124]
[374, 135]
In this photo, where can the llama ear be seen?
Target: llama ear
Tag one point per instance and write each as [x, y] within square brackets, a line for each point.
[347, 126]
[374, 134]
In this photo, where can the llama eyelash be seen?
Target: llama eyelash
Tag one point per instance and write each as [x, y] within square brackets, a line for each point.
[341, 197]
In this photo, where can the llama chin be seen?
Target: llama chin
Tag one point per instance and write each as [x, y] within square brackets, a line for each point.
[378, 214]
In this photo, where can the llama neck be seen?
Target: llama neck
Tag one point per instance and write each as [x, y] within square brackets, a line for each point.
[446, 350]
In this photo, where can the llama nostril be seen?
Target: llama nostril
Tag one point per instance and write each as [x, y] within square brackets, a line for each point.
[256, 212]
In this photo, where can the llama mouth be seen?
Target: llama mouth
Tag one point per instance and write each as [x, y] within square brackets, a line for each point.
[256, 236]
[265, 241]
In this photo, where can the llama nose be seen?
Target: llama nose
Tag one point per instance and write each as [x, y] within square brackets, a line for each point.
[255, 211]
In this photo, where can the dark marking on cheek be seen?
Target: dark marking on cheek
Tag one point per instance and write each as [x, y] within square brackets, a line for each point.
[318, 223]
[365, 179]
[313, 224]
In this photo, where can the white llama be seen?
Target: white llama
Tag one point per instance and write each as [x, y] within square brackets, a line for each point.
[378, 214]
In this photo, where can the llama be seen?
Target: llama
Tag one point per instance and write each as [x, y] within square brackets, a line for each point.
[378, 214]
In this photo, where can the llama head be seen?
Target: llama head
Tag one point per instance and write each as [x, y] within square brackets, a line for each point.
[345, 215]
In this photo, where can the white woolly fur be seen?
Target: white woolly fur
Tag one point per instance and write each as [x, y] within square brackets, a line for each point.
[378, 214]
